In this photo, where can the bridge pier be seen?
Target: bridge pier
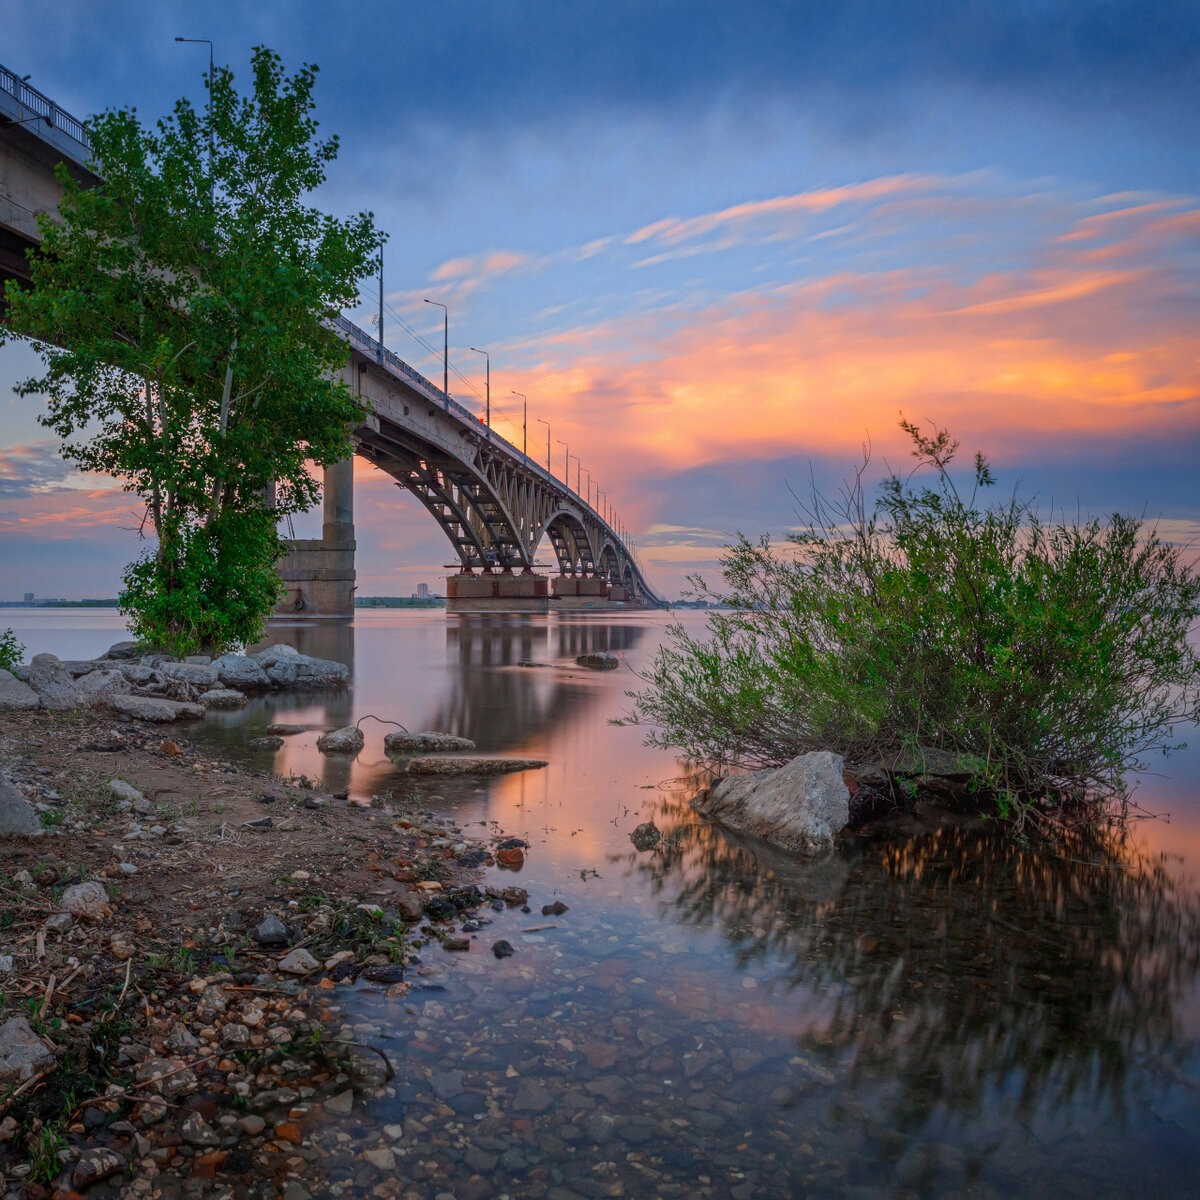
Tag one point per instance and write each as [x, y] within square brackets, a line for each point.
[318, 573]
[497, 593]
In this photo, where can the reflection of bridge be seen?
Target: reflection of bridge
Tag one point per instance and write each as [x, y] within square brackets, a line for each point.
[495, 505]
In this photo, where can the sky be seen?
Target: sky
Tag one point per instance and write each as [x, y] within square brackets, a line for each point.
[721, 247]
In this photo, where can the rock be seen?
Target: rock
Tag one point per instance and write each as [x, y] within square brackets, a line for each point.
[286, 730]
[382, 1159]
[128, 793]
[515, 897]
[928, 760]
[22, 1054]
[165, 1077]
[221, 698]
[598, 662]
[348, 740]
[556, 909]
[341, 1104]
[150, 708]
[76, 667]
[196, 1131]
[272, 932]
[120, 947]
[241, 672]
[17, 816]
[6, 964]
[199, 675]
[235, 1034]
[286, 668]
[411, 907]
[532, 1097]
[425, 743]
[259, 823]
[471, 766]
[385, 973]
[298, 962]
[16, 695]
[141, 675]
[271, 742]
[457, 943]
[646, 836]
[54, 686]
[96, 688]
[58, 922]
[512, 857]
[121, 650]
[502, 948]
[86, 900]
[252, 1124]
[94, 1165]
[801, 806]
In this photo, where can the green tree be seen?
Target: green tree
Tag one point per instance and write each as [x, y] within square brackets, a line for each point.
[1055, 654]
[182, 308]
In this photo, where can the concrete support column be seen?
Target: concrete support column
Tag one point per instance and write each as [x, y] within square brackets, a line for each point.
[338, 503]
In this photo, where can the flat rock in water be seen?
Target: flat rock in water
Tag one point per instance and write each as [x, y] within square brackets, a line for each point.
[472, 766]
[22, 1053]
[15, 694]
[221, 698]
[52, 682]
[242, 672]
[287, 668]
[425, 743]
[598, 662]
[801, 806]
[286, 730]
[646, 836]
[17, 815]
[348, 740]
[151, 708]
[271, 742]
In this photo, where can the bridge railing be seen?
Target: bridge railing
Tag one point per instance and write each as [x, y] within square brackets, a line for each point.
[42, 106]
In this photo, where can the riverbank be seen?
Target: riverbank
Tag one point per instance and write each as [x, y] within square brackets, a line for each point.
[181, 943]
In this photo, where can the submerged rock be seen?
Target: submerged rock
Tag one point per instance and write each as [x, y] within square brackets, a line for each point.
[602, 661]
[425, 743]
[287, 668]
[271, 741]
[646, 836]
[471, 766]
[801, 806]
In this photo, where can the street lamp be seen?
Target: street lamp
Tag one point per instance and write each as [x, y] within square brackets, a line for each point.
[524, 424]
[589, 487]
[488, 362]
[543, 421]
[566, 462]
[206, 42]
[576, 458]
[445, 346]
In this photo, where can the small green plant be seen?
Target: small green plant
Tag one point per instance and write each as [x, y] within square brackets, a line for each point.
[1055, 654]
[52, 817]
[44, 1145]
[11, 651]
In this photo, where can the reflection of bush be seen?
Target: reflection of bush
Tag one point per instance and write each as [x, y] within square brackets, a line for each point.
[958, 962]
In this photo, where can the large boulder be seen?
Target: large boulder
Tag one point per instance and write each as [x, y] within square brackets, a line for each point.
[16, 696]
[17, 815]
[52, 682]
[341, 741]
[84, 666]
[425, 743]
[151, 708]
[122, 650]
[801, 806]
[98, 687]
[241, 672]
[287, 668]
[200, 675]
[22, 1053]
[222, 698]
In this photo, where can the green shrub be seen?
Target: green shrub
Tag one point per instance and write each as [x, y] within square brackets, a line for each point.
[1056, 652]
[11, 651]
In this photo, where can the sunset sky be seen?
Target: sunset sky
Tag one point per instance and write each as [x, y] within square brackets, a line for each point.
[720, 246]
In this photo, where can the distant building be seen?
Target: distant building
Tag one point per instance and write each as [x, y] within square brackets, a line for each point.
[28, 597]
[422, 591]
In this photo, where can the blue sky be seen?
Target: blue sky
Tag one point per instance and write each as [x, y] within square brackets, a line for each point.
[716, 243]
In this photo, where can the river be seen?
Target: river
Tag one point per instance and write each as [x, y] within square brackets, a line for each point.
[951, 1014]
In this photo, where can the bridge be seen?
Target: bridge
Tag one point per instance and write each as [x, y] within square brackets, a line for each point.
[496, 506]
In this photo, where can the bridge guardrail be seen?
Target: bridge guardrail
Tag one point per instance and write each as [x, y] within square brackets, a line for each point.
[43, 106]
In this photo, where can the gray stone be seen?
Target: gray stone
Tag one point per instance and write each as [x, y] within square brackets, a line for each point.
[928, 760]
[76, 667]
[471, 766]
[17, 815]
[126, 791]
[242, 672]
[341, 741]
[196, 1131]
[54, 685]
[532, 1097]
[95, 1164]
[286, 668]
[221, 698]
[6, 964]
[425, 743]
[801, 806]
[150, 708]
[271, 932]
[15, 695]
[122, 650]
[97, 687]
[85, 899]
[202, 659]
[341, 1104]
[447, 1084]
[646, 836]
[270, 742]
[22, 1053]
[382, 1160]
[298, 962]
[141, 675]
[201, 675]
[598, 662]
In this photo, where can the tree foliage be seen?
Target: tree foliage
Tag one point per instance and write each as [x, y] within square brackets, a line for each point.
[1056, 652]
[181, 309]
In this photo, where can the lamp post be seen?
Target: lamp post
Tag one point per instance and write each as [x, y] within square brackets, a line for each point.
[488, 386]
[576, 458]
[589, 487]
[381, 301]
[566, 462]
[445, 346]
[543, 421]
[211, 73]
[524, 424]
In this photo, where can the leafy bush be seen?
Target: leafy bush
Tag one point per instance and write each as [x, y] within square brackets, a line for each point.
[11, 650]
[1055, 652]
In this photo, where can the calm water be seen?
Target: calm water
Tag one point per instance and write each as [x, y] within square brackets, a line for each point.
[947, 1015]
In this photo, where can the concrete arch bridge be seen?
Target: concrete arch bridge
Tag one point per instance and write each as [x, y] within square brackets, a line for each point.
[495, 505]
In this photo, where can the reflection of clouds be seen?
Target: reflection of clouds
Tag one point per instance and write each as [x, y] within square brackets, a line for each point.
[957, 963]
